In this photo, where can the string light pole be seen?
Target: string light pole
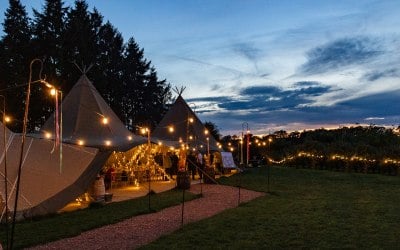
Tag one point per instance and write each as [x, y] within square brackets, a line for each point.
[5, 120]
[58, 118]
[147, 131]
[268, 165]
[23, 138]
[208, 145]
[247, 142]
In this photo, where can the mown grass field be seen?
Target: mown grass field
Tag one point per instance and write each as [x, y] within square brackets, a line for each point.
[305, 209]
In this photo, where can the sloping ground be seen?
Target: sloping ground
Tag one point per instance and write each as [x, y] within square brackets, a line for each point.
[141, 230]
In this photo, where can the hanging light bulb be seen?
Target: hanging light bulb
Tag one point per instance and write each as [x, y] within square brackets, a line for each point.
[53, 91]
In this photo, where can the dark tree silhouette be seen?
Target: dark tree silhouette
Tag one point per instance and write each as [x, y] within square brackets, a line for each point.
[15, 56]
[213, 130]
[70, 41]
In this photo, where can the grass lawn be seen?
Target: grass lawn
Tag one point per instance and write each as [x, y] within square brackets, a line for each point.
[305, 209]
[50, 228]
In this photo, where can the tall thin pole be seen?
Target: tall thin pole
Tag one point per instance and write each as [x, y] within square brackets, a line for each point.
[268, 164]
[268, 177]
[27, 99]
[183, 205]
[5, 168]
[247, 142]
[248, 146]
[61, 130]
[241, 150]
[148, 163]
[208, 148]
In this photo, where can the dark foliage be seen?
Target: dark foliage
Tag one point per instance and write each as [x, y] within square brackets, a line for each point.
[370, 149]
[71, 41]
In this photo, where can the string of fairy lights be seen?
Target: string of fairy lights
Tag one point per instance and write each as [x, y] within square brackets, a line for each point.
[334, 157]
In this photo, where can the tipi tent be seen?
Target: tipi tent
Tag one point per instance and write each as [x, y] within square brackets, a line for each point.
[88, 120]
[43, 188]
[90, 131]
[181, 124]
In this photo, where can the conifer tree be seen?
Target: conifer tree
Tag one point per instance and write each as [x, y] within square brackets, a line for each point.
[81, 41]
[135, 67]
[158, 93]
[15, 57]
[47, 43]
[108, 67]
[70, 38]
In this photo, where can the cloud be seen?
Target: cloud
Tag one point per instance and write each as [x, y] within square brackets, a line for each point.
[374, 118]
[303, 84]
[247, 50]
[376, 75]
[196, 61]
[266, 98]
[376, 105]
[340, 53]
[260, 90]
[262, 113]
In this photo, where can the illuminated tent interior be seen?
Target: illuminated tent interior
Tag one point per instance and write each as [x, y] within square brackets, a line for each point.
[136, 164]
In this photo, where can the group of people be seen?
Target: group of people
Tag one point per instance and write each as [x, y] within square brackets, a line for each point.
[169, 161]
[194, 161]
[109, 175]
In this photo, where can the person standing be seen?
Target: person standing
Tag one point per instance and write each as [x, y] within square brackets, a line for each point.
[200, 164]
[108, 178]
[192, 164]
[174, 164]
[167, 163]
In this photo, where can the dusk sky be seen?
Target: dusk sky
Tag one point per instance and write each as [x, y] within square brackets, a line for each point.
[288, 65]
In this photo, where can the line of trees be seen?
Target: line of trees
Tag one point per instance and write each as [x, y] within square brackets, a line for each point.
[371, 142]
[68, 38]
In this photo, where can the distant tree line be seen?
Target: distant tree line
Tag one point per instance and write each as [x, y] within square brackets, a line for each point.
[359, 149]
[66, 38]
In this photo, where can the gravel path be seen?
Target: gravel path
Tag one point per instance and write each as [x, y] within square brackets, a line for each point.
[143, 229]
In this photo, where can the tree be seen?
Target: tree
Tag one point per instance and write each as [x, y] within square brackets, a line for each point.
[70, 41]
[108, 69]
[145, 97]
[135, 68]
[157, 95]
[213, 130]
[48, 38]
[81, 42]
[47, 43]
[15, 57]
